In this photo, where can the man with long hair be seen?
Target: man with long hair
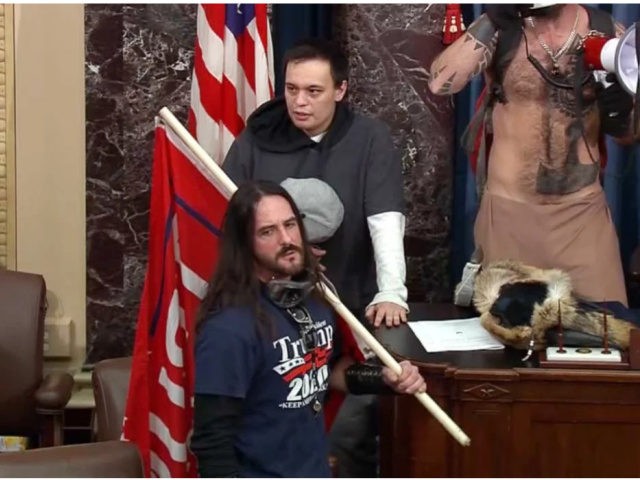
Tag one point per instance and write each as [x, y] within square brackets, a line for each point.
[267, 348]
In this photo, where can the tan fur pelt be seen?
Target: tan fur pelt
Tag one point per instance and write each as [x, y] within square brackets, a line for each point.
[559, 300]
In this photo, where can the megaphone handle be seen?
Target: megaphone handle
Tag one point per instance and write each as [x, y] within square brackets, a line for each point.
[601, 77]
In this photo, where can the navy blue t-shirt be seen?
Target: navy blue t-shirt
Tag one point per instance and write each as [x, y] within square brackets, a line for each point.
[280, 435]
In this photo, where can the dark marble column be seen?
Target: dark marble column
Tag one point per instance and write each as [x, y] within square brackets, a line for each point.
[138, 59]
[390, 49]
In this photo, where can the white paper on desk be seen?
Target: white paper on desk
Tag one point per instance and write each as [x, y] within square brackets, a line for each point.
[448, 335]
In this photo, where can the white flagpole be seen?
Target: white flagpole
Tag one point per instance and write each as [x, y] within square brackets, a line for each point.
[198, 151]
[339, 307]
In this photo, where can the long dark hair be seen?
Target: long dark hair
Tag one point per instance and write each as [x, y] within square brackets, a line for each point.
[234, 282]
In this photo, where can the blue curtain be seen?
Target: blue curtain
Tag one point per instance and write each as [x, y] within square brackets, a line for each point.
[465, 200]
[621, 176]
[293, 22]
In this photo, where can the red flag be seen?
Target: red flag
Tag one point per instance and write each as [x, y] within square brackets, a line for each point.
[232, 73]
[187, 207]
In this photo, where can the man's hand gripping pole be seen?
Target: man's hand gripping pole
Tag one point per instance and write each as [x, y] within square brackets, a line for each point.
[390, 362]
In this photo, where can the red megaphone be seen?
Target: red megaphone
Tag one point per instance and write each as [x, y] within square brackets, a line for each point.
[616, 55]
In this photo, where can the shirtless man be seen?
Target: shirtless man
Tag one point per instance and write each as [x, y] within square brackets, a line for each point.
[542, 200]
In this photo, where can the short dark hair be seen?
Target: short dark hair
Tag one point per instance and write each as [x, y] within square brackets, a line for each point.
[317, 48]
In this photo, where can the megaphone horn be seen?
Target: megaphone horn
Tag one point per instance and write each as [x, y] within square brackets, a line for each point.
[616, 55]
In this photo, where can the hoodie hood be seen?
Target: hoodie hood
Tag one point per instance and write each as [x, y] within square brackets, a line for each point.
[274, 131]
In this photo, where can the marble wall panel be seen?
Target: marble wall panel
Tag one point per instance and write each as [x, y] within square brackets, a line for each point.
[137, 60]
[390, 48]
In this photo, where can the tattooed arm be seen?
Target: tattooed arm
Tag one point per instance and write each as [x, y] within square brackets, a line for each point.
[468, 56]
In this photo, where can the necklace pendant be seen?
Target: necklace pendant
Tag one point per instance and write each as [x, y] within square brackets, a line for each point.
[317, 406]
[555, 70]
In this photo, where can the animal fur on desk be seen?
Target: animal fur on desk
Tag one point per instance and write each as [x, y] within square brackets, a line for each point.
[516, 301]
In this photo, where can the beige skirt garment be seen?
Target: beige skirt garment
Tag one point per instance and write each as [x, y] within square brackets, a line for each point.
[574, 235]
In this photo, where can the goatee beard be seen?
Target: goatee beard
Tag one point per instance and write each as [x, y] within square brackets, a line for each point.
[292, 269]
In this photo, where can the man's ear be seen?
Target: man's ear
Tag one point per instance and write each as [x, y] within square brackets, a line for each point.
[340, 91]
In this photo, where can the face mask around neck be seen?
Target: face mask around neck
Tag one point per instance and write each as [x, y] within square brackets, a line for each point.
[289, 293]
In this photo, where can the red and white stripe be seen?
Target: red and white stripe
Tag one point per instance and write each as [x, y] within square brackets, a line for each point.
[231, 76]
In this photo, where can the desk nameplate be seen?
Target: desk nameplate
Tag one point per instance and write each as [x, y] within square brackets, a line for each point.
[623, 364]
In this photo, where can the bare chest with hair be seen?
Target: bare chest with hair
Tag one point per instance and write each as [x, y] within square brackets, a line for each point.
[558, 156]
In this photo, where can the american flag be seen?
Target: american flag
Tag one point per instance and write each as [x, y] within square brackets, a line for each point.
[232, 74]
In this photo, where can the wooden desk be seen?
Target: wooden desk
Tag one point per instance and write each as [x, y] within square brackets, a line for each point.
[523, 421]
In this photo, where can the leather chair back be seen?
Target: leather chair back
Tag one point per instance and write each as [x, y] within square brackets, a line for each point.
[90, 460]
[110, 380]
[22, 311]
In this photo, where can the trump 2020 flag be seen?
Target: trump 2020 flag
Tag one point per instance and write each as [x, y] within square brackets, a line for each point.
[232, 73]
[187, 207]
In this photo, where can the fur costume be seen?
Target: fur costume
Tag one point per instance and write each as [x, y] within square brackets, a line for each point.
[519, 303]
